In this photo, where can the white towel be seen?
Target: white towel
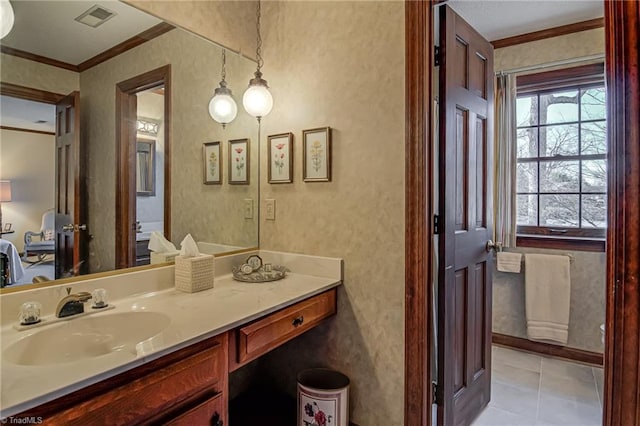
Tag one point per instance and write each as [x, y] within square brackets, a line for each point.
[509, 262]
[16, 270]
[547, 296]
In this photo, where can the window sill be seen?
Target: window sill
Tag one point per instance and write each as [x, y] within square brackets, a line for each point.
[560, 243]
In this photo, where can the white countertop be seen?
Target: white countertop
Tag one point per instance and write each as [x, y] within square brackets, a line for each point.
[194, 317]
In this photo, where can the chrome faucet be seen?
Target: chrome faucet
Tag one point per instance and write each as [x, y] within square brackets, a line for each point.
[72, 304]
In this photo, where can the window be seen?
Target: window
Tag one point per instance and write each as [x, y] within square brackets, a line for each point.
[561, 175]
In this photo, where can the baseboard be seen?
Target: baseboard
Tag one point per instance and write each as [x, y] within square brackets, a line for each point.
[573, 354]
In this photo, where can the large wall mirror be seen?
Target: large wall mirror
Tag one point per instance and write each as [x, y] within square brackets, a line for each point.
[50, 50]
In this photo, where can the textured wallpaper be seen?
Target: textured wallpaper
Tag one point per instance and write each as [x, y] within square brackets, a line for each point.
[341, 64]
[588, 285]
[230, 23]
[211, 213]
[576, 45]
[587, 306]
[37, 76]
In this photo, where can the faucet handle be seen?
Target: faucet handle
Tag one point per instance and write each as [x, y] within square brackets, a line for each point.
[99, 298]
[30, 313]
[83, 296]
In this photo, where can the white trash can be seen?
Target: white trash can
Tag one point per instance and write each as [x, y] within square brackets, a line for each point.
[323, 398]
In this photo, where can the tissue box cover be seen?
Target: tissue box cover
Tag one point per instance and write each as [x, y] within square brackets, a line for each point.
[157, 258]
[194, 273]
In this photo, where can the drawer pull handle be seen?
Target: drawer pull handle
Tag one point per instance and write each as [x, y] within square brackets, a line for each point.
[298, 321]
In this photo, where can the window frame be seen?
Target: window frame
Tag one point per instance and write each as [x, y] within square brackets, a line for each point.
[575, 78]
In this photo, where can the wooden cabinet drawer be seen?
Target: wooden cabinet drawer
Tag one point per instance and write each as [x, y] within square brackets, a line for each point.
[146, 399]
[210, 412]
[273, 330]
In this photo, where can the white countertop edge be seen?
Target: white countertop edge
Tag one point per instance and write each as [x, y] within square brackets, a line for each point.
[50, 396]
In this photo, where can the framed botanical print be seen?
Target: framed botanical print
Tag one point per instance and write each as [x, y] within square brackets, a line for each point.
[316, 161]
[212, 165]
[280, 151]
[239, 162]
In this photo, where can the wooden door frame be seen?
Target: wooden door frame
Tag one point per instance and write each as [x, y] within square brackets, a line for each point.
[622, 357]
[80, 181]
[30, 94]
[125, 156]
[622, 353]
[418, 212]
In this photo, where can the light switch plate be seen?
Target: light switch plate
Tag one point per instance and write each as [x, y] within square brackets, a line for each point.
[271, 209]
[248, 208]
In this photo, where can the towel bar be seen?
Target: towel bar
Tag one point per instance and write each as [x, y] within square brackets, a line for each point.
[569, 255]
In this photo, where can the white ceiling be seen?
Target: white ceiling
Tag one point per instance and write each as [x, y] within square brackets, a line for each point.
[24, 114]
[497, 19]
[48, 28]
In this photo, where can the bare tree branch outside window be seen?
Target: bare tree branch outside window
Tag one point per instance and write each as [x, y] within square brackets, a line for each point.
[562, 168]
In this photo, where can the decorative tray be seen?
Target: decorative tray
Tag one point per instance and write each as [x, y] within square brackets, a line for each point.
[260, 275]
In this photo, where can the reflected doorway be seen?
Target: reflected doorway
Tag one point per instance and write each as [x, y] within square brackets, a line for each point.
[143, 198]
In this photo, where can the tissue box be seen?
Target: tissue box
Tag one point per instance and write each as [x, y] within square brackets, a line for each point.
[163, 257]
[194, 273]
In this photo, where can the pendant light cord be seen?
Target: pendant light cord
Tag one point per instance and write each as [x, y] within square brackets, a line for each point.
[224, 63]
[259, 40]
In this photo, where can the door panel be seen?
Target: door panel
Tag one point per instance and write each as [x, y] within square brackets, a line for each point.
[464, 284]
[70, 241]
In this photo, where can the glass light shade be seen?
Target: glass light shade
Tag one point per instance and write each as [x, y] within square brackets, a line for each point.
[257, 99]
[6, 18]
[223, 108]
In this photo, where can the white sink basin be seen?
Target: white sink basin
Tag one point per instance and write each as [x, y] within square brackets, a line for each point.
[86, 337]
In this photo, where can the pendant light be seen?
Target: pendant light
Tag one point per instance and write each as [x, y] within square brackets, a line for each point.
[222, 107]
[6, 18]
[257, 99]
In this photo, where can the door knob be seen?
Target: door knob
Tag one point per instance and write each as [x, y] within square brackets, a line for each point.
[493, 246]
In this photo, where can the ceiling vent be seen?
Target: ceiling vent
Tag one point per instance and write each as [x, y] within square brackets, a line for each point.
[95, 16]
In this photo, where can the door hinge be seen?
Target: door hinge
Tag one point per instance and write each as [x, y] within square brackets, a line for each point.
[436, 56]
[436, 224]
[435, 399]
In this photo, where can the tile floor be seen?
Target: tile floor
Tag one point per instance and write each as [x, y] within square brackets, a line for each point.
[528, 389]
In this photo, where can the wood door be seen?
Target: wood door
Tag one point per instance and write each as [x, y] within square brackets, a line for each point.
[70, 225]
[464, 283]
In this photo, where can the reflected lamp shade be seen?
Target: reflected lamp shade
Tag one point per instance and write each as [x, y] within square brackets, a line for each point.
[222, 106]
[6, 18]
[5, 191]
[257, 99]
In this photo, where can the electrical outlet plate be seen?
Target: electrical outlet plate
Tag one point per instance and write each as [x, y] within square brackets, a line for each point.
[248, 208]
[271, 209]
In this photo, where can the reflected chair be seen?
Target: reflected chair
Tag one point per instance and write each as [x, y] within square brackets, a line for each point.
[45, 243]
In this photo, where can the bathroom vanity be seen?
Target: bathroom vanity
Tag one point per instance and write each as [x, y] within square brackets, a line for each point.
[180, 375]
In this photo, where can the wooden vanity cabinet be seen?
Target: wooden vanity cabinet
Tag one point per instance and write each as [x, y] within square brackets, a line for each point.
[175, 389]
[255, 339]
[187, 387]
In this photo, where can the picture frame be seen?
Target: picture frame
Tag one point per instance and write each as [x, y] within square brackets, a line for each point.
[239, 162]
[280, 152]
[316, 155]
[7, 226]
[211, 163]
